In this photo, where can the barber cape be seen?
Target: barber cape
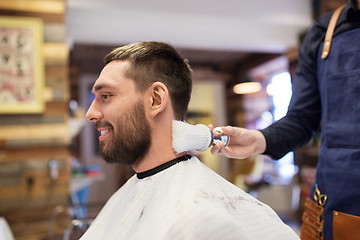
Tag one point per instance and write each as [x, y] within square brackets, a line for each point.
[185, 201]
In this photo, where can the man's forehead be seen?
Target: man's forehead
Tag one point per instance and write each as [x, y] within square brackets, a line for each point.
[107, 76]
[112, 76]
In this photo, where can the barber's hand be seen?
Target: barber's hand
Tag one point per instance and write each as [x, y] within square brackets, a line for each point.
[243, 143]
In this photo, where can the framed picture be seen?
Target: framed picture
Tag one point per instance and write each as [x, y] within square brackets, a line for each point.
[21, 65]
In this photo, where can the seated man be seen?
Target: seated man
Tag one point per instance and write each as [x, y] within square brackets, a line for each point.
[141, 89]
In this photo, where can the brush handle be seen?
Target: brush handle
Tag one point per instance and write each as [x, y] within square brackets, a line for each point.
[225, 139]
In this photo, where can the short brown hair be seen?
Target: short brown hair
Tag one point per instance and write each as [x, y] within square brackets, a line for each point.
[157, 62]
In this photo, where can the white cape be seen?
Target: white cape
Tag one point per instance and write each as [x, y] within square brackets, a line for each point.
[186, 201]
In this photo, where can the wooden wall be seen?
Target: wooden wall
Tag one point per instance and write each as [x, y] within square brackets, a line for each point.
[28, 142]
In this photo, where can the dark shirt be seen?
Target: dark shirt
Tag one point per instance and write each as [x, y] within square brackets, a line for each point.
[304, 114]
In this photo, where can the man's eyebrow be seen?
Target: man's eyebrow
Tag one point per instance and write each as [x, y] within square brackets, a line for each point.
[99, 87]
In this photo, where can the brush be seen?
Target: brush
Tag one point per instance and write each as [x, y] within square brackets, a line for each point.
[199, 137]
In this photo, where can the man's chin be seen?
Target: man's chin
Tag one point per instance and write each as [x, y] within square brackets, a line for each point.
[108, 158]
[104, 153]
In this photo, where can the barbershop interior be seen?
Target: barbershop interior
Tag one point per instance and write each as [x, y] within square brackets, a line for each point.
[243, 54]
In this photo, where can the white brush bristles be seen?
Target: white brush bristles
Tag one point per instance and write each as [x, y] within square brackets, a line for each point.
[187, 137]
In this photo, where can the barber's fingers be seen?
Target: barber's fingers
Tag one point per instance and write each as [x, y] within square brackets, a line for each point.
[219, 149]
[238, 136]
[229, 130]
[233, 131]
[231, 152]
[216, 149]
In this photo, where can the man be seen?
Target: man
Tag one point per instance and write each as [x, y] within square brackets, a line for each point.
[141, 89]
[326, 88]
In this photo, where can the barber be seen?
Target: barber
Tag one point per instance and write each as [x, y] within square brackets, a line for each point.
[326, 91]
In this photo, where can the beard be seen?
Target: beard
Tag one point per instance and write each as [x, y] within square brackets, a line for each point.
[131, 141]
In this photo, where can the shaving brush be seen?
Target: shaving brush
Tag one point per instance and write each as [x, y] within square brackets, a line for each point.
[188, 137]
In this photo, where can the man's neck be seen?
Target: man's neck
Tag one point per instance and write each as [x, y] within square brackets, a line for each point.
[160, 150]
[154, 161]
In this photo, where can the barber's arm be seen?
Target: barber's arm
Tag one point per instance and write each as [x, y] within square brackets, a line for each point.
[243, 143]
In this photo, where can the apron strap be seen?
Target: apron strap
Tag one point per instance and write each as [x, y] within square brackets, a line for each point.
[330, 31]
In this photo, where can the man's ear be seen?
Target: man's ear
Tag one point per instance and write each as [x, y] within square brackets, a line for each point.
[159, 98]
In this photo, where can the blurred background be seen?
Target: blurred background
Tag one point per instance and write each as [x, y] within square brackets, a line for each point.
[243, 55]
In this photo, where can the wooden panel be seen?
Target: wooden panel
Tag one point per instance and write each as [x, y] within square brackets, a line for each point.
[35, 135]
[54, 18]
[37, 143]
[57, 83]
[55, 32]
[47, 118]
[58, 92]
[26, 201]
[23, 154]
[56, 53]
[36, 6]
[29, 142]
[34, 131]
[56, 72]
[50, 11]
[56, 107]
[34, 188]
[33, 195]
[34, 224]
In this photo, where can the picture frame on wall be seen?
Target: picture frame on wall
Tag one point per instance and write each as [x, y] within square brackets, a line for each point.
[21, 65]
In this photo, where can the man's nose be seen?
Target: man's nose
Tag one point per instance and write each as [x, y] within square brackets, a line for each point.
[93, 114]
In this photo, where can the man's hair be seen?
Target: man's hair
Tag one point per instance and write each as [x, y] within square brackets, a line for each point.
[157, 62]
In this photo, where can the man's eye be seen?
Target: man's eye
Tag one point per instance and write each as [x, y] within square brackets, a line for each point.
[105, 96]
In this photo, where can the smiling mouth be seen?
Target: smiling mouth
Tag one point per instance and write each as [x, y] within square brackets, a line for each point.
[104, 133]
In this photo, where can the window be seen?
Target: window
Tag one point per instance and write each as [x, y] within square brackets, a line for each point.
[280, 90]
